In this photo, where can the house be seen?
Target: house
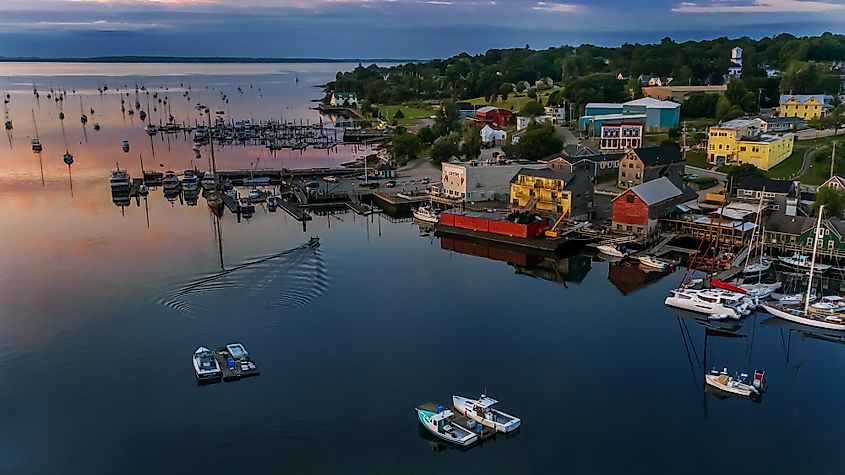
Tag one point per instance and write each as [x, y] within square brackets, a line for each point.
[653, 80]
[755, 187]
[344, 99]
[577, 150]
[544, 82]
[493, 115]
[740, 142]
[386, 170]
[681, 93]
[552, 193]
[491, 136]
[621, 135]
[473, 182]
[784, 124]
[592, 166]
[805, 106]
[558, 114]
[638, 209]
[735, 68]
[522, 122]
[641, 165]
[836, 182]
[656, 115]
[788, 234]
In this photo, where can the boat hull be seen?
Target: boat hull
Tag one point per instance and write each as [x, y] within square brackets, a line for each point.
[796, 316]
[692, 306]
[462, 408]
[425, 419]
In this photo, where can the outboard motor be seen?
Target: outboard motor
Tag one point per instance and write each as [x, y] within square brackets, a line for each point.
[758, 383]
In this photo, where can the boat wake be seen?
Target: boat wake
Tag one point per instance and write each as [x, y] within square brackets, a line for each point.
[290, 280]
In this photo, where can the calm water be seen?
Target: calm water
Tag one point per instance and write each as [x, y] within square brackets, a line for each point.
[102, 307]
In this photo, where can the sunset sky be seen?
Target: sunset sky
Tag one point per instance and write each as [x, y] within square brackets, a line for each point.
[383, 28]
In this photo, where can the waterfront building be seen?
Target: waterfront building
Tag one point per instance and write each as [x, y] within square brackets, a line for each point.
[637, 210]
[788, 234]
[344, 99]
[755, 187]
[593, 166]
[472, 181]
[552, 193]
[621, 135]
[655, 114]
[641, 165]
[739, 142]
[805, 106]
[493, 115]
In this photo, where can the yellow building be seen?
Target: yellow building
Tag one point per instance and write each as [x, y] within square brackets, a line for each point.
[552, 193]
[806, 106]
[729, 146]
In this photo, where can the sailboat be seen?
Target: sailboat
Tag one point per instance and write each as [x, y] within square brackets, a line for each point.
[36, 142]
[828, 317]
[757, 290]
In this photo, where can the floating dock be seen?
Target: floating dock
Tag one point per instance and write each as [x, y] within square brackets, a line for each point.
[232, 374]
[294, 210]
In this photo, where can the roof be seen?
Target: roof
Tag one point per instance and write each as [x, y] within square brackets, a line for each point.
[345, 94]
[600, 157]
[614, 116]
[655, 191]
[784, 120]
[577, 150]
[660, 155]
[653, 103]
[604, 105]
[796, 225]
[543, 173]
[759, 183]
[486, 109]
[802, 98]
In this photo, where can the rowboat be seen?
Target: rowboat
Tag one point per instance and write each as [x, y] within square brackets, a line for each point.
[481, 411]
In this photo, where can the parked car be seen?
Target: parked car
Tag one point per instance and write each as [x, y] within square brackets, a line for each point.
[330, 179]
[390, 184]
[425, 181]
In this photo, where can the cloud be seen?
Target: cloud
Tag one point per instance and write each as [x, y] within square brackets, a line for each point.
[758, 6]
[556, 7]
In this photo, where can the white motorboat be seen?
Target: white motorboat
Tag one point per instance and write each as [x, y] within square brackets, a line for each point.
[482, 412]
[612, 250]
[254, 194]
[440, 425]
[190, 181]
[205, 365]
[709, 302]
[653, 263]
[802, 262]
[120, 180]
[170, 182]
[829, 304]
[143, 190]
[794, 299]
[759, 290]
[36, 145]
[738, 385]
[426, 214]
[208, 180]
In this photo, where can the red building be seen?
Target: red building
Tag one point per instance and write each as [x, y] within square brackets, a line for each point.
[493, 115]
[637, 210]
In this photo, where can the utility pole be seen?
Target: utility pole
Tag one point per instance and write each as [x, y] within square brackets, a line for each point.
[684, 149]
[832, 159]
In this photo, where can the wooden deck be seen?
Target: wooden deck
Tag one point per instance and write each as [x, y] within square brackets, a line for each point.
[236, 373]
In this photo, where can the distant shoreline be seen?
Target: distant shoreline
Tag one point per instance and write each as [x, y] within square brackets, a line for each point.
[199, 60]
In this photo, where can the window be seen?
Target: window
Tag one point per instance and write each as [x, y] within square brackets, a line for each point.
[629, 228]
[630, 198]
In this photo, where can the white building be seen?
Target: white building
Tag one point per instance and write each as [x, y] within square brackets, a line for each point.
[735, 69]
[558, 114]
[489, 135]
[344, 99]
[522, 122]
[479, 182]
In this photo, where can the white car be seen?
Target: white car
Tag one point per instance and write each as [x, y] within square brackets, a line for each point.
[330, 179]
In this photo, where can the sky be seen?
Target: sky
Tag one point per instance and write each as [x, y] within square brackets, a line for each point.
[416, 29]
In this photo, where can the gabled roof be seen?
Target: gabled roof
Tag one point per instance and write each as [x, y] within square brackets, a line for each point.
[543, 173]
[759, 183]
[660, 155]
[834, 179]
[577, 150]
[486, 109]
[655, 191]
[653, 103]
[802, 98]
[599, 157]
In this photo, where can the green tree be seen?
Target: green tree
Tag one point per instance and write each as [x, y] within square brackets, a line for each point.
[404, 147]
[365, 107]
[833, 200]
[532, 109]
[634, 87]
[471, 142]
[808, 77]
[426, 135]
[538, 141]
[447, 120]
[737, 173]
[443, 149]
[595, 88]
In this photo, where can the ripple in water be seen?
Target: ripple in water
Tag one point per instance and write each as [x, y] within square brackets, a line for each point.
[290, 279]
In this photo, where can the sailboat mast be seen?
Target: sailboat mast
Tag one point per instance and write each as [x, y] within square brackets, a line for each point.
[813, 261]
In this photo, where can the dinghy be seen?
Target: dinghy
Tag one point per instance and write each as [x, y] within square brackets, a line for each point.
[653, 263]
[482, 412]
[441, 426]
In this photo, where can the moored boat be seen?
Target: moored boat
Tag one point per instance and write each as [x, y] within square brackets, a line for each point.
[208, 180]
[143, 190]
[170, 182]
[803, 262]
[206, 366]
[738, 385]
[612, 250]
[760, 290]
[190, 181]
[119, 180]
[653, 263]
[481, 411]
[441, 426]
[426, 214]
[709, 302]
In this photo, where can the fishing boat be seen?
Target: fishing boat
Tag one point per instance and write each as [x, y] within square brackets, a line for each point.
[653, 263]
[205, 365]
[143, 190]
[170, 182]
[481, 411]
[208, 180]
[709, 302]
[190, 181]
[612, 250]
[120, 180]
[802, 262]
[738, 385]
[245, 205]
[810, 315]
[441, 426]
[254, 194]
[126, 146]
[426, 214]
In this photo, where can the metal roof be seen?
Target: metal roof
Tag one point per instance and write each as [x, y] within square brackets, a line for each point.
[802, 98]
[655, 191]
[653, 103]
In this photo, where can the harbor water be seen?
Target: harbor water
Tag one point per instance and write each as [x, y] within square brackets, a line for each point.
[103, 306]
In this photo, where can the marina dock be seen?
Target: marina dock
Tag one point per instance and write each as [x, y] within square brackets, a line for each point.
[294, 210]
[232, 374]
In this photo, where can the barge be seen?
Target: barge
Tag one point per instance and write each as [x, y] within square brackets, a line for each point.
[520, 230]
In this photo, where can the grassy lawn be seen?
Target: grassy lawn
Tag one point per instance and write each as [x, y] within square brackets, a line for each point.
[791, 165]
[411, 113]
[515, 101]
[697, 158]
[818, 172]
[655, 139]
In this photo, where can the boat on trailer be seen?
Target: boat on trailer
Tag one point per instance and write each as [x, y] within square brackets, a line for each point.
[481, 411]
[440, 425]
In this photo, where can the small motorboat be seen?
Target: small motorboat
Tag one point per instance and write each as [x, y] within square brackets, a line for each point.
[313, 242]
[426, 214]
[738, 385]
[36, 145]
[96, 126]
[254, 194]
[143, 190]
[440, 424]
[245, 206]
[653, 263]
[613, 250]
[208, 180]
[481, 411]
[272, 203]
[126, 146]
[205, 365]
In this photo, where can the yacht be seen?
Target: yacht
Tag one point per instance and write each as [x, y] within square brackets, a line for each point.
[802, 262]
[190, 182]
[170, 182]
[709, 302]
[205, 364]
[426, 215]
[208, 181]
[120, 180]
